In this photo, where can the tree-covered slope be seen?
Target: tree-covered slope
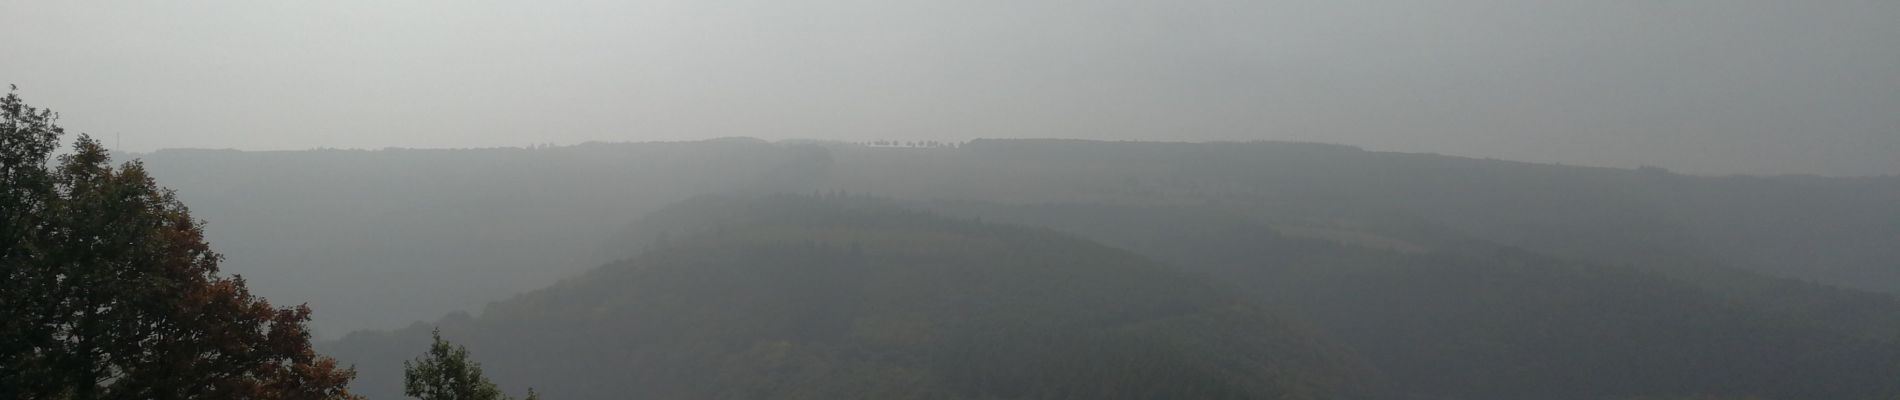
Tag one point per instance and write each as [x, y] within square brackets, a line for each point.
[1457, 317]
[799, 297]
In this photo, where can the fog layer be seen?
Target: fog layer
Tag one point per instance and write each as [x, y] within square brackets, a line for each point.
[1701, 86]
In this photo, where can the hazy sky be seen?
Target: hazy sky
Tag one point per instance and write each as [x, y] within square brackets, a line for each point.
[1703, 86]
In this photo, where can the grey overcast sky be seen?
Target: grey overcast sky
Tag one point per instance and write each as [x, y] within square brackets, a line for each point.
[1700, 86]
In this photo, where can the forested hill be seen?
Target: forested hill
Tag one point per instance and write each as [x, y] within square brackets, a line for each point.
[1438, 315]
[809, 298]
[377, 239]
[846, 296]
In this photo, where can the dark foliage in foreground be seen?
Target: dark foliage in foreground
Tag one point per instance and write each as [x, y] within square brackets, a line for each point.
[109, 291]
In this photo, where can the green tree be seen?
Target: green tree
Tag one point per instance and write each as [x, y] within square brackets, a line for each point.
[109, 291]
[446, 373]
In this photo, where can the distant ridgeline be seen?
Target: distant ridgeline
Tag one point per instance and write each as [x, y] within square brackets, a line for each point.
[1388, 275]
[1838, 231]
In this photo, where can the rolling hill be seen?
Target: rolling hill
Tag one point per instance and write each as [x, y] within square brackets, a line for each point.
[395, 236]
[803, 297]
[1459, 318]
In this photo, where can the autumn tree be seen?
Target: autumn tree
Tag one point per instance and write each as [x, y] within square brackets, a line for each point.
[109, 291]
[445, 372]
